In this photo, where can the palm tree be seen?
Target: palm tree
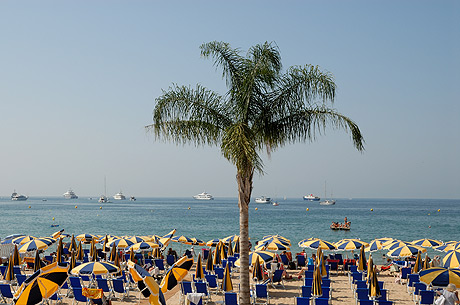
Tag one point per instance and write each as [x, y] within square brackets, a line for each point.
[263, 109]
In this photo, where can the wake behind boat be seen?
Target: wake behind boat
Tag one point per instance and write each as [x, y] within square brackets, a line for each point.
[263, 199]
[203, 196]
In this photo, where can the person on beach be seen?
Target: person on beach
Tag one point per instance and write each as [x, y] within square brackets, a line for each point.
[436, 262]
[450, 294]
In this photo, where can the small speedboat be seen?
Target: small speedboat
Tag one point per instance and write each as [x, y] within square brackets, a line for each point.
[275, 204]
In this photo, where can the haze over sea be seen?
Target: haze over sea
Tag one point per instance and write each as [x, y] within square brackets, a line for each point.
[406, 219]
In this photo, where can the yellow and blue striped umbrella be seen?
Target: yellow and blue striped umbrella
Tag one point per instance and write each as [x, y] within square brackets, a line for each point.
[440, 276]
[317, 243]
[418, 263]
[452, 259]
[316, 290]
[217, 259]
[9, 274]
[86, 238]
[198, 242]
[396, 244]
[370, 268]
[143, 246]
[33, 245]
[209, 262]
[23, 239]
[272, 245]
[374, 288]
[320, 262]
[426, 242]
[95, 268]
[213, 242]
[261, 256]
[182, 239]
[350, 244]
[167, 238]
[227, 284]
[121, 243]
[426, 263]
[146, 284]
[385, 240]
[199, 274]
[257, 271]
[374, 245]
[282, 239]
[406, 250]
[16, 257]
[176, 273]
[362, 262]
[230, 239]
[448, 247]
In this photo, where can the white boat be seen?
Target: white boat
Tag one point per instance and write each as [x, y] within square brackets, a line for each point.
[70, 195]
[16, 197]
[263, 199]
[203, 196]
[275, 204]
[132, 198]
[311, 197]
[103, 199]
[327, 201]
[119, 196]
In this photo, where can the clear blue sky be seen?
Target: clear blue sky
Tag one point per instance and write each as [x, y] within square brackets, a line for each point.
[78, 82]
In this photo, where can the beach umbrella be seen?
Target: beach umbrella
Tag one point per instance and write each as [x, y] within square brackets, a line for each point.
[280, 238]
[261, 256]
[396, 244]
[33, 245]
[105, 247]
[121, 243]
[448, 247]
[350, 244]
[199, 274]
[223, 252]
[9, 274]
[80, 252]
[418, 263]
[131, 255]
[156, 253]
[113, 253]
[426, 263]
[143, 246]
[146, 284]
[16, 257]
[229, 250]
[320, 262]
[22, 239]
[257, 271]
[57, 234]
[38, 264]
[136, 239]
[385, 240]
[182, 239]
[406, 250]
[167, 238]
[41, 285]
[92, 248]
[426, 242]
[213, 242]
[374, 245]
[73, 244]
[198, 242]
[86, 238]
[317, 243]
[370, 267]
[227, 284]
[452, 259]
[230, 239]
[374, 288]
[59, 252]
[440, 276]
[9, 238]
[93, 251]
[217, 259]
[176, 273]
[73, 261]
[236, 247]
[95, 268]
[316, 290]
[272, 245]
[209, 262]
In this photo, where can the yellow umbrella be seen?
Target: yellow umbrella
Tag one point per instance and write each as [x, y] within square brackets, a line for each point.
[146, 284]
[73, 261]
[95, 268]
[418, 263]
[73, 244]
[217, 257]
[59, 251]
[426, 242]
[167, 238]
[374, 288]
[16, 257]
[362, 260]
[236, 247]
[320, 262]
[209, 262]
[426, 263]
[261, 256]
[257, 272]
[176, 273]
[350, 244]
[316, 290]
[33, 245]
[370, 268]
[230, 250]
[227, 281]
[440, 276]
[315, 243]
[80, 252]
[452, 259]
[131, 255]
[199, 269]
[407, 250]
[9, 274]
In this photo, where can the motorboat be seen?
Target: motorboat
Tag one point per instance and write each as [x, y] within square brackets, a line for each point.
[132, 198]
[119, 196]
[17, 197]
[275, 204]
[263, 199]
[311, 197]
[203, 196]
[103, 199]
[70, 195]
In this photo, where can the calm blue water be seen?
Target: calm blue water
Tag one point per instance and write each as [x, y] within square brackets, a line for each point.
[406, 219]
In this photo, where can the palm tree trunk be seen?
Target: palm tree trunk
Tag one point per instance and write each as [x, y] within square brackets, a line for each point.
[244, 196]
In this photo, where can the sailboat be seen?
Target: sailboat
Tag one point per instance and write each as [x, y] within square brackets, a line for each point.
[326, 201]
[104, 198]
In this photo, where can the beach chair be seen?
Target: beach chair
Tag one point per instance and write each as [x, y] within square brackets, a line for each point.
[219, 272]
[360, 284]
[16, 270]
[365, 302]
[170, 260]
[277, 278]
[413, 278]
[284, 260]
[383, 295]
[3, 270]
[417, 288]
[75, 282]
[119, 287]
[362, 294]
[300, 301]
[308, 281]
[104, 285]
[308, 274]
[202, 287]
[310, 267]
[333, 265]
[306, 291]
[405, 271]
[230, 298]
[213, 286]
[326, 283]
[55, 297]
[326, 292]
[384, 302]
[300, 261]
[261, 295]
[159, 262]
[185, 288]
[78, 296]
[6, 292]
[20, 278]
[232, 260]
[321, 301]
[352, 268]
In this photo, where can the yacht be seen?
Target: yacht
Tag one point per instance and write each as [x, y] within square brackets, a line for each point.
[311, 197]
[327, 202]
[70, 195]
[119, 196]
[203, 196]
[103, 199]
[263, 199]
[16, 197]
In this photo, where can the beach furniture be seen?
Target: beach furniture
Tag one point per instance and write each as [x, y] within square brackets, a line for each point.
[75, 282]
[202, 287]
[20, 278]
[170, 260]
[55, 297]
[326, 292]
[160, 264]
[413, 278]
[219, 272]
[333, 265]
[78, 296]
[211, 279]
[301, 261]
[185, 288]
[418, 286]
[3, 270]
[284, 260]
[360, 284]
[261, 295]
[321, 301]
[230, 298]
[301, 301]
[6, 292]
[383, 295]
[308, 274]
[352, 268]
[405, 271]
[232, 260]
[119, 287]
[310, 267]
[306, 291]
[104, 285]
[325, 282]
[277, 278]
[308, 281]
[384, 302]
[362, 294]
[365, 302]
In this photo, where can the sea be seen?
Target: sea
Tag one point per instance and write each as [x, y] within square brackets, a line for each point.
[294, 218]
